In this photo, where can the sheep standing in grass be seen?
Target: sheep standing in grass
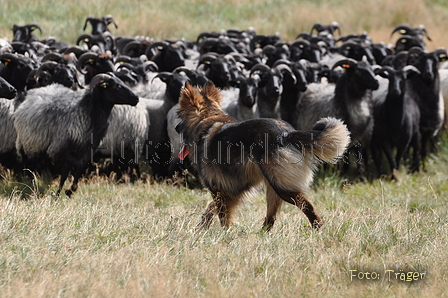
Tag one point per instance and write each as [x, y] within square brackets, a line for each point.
[68, 126]
[7, 92]
[397, 119]
[14, 70]
[158, 149]
[350, 99]
[425, 90]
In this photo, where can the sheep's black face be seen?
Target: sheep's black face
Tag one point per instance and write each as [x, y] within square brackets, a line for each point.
[365, 76]
[7, 90]
[116, 92]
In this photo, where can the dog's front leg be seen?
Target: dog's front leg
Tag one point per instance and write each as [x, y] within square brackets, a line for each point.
[222, 205]
[207, 216]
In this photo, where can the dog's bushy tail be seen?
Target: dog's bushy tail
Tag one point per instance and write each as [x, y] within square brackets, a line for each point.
[327, 140]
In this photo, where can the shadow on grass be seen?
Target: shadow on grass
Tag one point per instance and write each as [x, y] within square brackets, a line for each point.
[24, 185]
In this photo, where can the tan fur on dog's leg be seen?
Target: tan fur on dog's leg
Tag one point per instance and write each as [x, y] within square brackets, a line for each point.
[222, 205]
[299, 199]
[274, 202]
[207, 216]
[308, 208]
[225, 206]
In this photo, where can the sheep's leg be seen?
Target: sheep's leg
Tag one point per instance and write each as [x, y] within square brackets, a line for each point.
[415, 144]
[274, 203]
[64, 175]
[362, 163]
[424, 147]
[399, 154]
[392, 163]
[376, 155]
[78, 167]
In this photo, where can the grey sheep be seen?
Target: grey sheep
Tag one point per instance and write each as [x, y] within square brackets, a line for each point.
[66, 125]
[350, 99]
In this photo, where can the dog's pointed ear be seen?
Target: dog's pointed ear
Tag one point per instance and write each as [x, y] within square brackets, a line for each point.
[212, 93]
[190, 98]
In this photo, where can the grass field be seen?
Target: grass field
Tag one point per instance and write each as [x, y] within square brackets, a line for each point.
[138, 240]
[379, 239]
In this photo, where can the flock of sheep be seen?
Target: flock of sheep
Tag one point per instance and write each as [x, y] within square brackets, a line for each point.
[64, 106]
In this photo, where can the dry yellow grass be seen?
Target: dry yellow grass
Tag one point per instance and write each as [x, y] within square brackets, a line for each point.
[139, 240]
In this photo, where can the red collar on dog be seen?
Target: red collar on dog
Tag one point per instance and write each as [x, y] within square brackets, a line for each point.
[184, 151]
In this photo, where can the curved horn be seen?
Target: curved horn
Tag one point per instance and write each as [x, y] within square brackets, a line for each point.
[33, 26]
[182, 69]
[230, 59]
[54, 56]
[281, 61]
[207, 58]
[304, 35]
[300, 43]
[269, 49]
[123, 59]
[404, 29]
[159, 44]
[415, 50]
[317, 27]
[259, 67]
[162, 75]
[130, 46]
[422, 28]
[84, 58]
[344, 63]
[8, 57]
[206, 35]
[150, 66]
[99, 78]
[88, 19]
[125, 65]
[285, 68]
[84, 37]
[335, 26]
[47, 66]
[255, 40]
[441, 54]
[384, 71]
[349, 43]
[77, 50]
[410, 68]
[109, 19]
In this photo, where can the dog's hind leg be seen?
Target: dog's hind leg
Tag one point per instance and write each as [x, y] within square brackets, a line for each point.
[299, 199]
[274, 202]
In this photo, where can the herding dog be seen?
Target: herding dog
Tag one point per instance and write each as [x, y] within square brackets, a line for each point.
[232, 157]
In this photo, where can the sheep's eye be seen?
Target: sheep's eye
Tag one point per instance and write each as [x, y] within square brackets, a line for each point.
[104, 85]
